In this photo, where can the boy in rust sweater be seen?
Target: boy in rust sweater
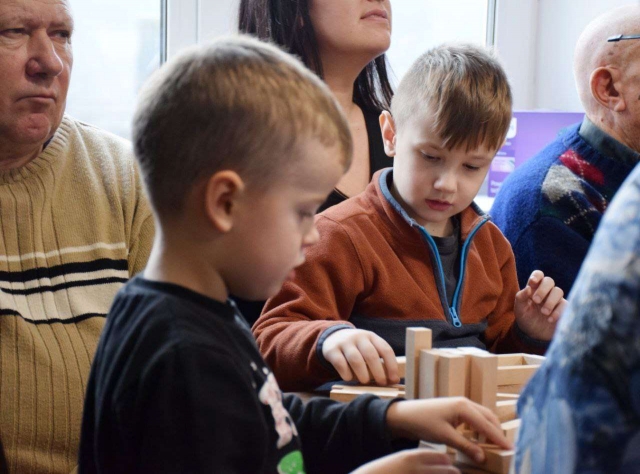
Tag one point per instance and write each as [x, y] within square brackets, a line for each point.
[413, 249]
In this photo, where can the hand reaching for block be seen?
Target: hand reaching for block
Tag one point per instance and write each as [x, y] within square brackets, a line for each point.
[359, 354]
[436, 420]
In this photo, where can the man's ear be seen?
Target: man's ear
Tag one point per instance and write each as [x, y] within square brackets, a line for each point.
[222, 193]
[605, 83]
[388, 128]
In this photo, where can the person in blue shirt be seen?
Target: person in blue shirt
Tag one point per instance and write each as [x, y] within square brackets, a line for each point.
[581, 411]
[550, 207]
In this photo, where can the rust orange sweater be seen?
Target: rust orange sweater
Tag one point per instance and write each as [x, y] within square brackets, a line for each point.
[377, 269]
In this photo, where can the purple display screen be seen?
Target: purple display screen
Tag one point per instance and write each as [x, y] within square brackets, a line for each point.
[529, 133]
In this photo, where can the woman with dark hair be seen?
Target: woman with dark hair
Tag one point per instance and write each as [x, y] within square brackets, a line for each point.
[343, 42]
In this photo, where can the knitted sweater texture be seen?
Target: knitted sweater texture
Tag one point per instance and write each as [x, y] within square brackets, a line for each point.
[550, 207]
[75, 225]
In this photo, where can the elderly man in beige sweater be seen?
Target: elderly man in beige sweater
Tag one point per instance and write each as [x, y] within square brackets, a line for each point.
[74, 227]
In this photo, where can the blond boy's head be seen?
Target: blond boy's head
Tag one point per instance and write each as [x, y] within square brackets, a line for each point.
[449, 117]
[464, 88]
[238, 145]
[235, 104]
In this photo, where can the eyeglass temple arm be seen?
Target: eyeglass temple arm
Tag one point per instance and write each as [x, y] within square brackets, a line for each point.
[616, 38]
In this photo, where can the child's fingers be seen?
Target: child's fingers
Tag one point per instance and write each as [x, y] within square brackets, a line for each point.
[555, 316]
[339, 362]
[455, 439]
[554, 298]
[481, 422]
[372, 359]
[489, 415]
[544, 288]
[524, 295]
[388, 356]
[535, 278]
[357, 363]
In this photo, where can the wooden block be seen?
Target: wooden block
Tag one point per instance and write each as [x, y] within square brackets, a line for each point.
[510, 359]
[401, 367]
[498, 461]
[533, 359]
[428, 374]
[510, 429]
[439, 448]
[515, 374]
[506, 396]
[417, 340]
[483, 379]
[402, 363]
[452, 375]
[346, 393]
[513, 389]
[506, 410]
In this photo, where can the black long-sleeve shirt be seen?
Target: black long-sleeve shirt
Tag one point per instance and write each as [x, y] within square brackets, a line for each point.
[178, 385]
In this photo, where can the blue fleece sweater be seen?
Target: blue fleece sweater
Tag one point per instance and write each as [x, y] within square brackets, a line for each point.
[550, 207]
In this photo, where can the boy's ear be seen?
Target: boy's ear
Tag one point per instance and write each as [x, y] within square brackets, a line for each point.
[222, 193]
[388, 128]
[604, 91]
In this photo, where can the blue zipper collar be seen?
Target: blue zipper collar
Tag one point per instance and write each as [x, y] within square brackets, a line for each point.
[484, 218]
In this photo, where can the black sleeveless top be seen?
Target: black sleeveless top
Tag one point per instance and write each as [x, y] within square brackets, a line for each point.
[377, 160]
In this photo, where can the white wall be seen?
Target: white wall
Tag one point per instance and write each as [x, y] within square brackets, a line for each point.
[219, 17]
[516, 30]
[534, 38]
[560, 23]
[195, 21]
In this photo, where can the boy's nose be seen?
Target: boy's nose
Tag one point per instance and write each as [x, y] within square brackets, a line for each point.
[311, 237]
[446, 182]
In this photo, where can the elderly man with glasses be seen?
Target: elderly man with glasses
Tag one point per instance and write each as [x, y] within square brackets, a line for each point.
[74, 226]
[550, 208]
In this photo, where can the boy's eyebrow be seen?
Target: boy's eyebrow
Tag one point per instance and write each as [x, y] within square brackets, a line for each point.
[482, 157]
[430, 144]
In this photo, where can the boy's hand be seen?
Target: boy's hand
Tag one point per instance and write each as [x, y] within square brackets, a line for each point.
[356, 353]
[538, 306]
[436, 420]
[410, 461]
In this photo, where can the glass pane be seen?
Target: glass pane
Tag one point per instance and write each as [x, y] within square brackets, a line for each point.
[116, 45]
[418, 26]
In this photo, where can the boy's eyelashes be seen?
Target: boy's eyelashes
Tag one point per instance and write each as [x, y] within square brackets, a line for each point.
[307, 214]
[429, 157]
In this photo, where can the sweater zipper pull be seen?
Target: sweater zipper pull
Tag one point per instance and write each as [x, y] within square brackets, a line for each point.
[454, 317]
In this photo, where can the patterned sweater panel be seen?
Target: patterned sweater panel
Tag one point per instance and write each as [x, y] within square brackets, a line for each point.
[550, 208]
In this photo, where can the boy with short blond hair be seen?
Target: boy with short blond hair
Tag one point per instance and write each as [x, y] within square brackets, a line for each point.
[413, 249]
[238, 145]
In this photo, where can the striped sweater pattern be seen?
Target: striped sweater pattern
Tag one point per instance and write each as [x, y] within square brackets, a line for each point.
[74, 227]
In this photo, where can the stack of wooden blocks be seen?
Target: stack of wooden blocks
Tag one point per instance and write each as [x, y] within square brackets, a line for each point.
[494, 381]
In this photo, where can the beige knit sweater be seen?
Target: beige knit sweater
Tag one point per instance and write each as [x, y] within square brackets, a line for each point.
[74, 226]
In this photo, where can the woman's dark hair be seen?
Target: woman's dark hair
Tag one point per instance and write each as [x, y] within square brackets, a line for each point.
[281, 22]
